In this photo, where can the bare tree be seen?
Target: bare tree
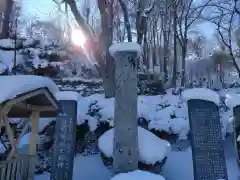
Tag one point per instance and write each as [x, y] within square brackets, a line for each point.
[228, 30]
[143, 9]
[7, 19]
[225, 20]
[188, 14]
[101, 43]
[126, 20]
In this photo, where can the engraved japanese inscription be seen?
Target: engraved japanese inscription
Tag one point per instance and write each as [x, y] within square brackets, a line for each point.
[64, 148]
[206, 140]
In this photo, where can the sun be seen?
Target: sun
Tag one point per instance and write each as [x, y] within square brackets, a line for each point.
[78, 37]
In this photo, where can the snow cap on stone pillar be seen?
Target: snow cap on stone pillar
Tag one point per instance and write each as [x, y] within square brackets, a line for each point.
[124, 47]
[201, 94]
[67, 96]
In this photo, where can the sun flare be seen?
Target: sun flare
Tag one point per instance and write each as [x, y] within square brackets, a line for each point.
[78, 37]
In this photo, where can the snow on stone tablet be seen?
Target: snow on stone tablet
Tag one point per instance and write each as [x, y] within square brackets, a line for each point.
[232, 100]
[125, 46]
[12, 86]
[138, 175]
[152, 149]
[201, 93]
[67, 95]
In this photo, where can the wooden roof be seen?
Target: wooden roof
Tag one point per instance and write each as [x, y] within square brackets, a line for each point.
[38, 100]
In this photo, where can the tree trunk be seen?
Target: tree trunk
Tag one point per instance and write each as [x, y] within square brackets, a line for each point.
[7, 18]
[126, 20]
[165, 49]
[80, 20]
[145, 51]
[234, 62]
[184, 51]
[106, 65]
[141, 20]
[174, 75]
[106, 10]
[109, 79]
[154, 54]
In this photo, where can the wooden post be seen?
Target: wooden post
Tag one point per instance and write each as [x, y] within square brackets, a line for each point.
[33, 140]
[33, 143]
[4, 110]
[125, 153]
[236, 130]
[10, 137]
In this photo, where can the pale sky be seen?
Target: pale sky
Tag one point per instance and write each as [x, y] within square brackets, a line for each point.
[39, 8]
[44, 9]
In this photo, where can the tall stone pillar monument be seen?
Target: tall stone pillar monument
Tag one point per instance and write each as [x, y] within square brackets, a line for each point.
[125, 155]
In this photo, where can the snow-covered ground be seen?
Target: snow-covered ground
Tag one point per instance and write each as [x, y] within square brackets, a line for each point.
[164, 112]
[178, 166]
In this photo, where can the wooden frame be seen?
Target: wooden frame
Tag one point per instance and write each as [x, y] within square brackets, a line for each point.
[236, 132]
[21, 101]
[6, 107]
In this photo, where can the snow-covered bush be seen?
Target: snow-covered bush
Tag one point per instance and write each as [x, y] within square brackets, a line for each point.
[161, 112]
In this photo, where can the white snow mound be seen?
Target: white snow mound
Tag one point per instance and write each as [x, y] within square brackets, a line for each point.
[138, 175]
[67, 95]
[3, 68]
[201, 93]
[232, 100]
[12, 86]
[125, 46]
[152, 149]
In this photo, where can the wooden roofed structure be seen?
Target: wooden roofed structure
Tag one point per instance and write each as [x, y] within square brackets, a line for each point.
[33, 104]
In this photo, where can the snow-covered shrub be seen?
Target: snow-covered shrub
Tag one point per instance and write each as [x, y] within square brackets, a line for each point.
[160, 112]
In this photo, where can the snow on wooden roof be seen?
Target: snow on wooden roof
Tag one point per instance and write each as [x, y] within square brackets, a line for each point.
[12, 86]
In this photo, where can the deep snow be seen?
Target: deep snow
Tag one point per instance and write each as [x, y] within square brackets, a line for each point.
[158, 110]
[178, 166]
[164, 112]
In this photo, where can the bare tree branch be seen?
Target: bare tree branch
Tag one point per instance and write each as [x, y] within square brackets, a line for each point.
[126, 20]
